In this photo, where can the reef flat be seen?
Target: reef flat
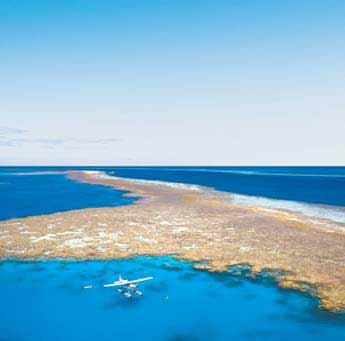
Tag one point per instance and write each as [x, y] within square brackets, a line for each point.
[191, 223]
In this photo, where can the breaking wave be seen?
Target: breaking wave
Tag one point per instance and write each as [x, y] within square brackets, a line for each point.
[333, 213]
[109, 175]
[336, 214]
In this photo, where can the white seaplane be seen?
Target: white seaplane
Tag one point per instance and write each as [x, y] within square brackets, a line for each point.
[128, 287]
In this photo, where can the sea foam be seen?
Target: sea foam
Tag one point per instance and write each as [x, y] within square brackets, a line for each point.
[333, 213]
[103, 175]
[336, 214]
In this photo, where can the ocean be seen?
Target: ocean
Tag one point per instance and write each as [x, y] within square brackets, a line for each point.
[314, 191]
[45, 300]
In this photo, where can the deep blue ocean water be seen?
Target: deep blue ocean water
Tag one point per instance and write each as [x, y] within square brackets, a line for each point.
[32, 191]
[315, 185]
[45, 300]
[316, 191]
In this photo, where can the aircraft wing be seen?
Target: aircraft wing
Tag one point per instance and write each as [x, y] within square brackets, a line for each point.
[115, 284]
[126, 282]
[140, 280]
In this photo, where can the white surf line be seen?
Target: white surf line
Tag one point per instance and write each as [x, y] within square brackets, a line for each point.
[239, 172]
[103, 175]
[331, 213]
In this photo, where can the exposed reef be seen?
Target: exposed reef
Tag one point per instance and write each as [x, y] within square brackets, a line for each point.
[195, 224]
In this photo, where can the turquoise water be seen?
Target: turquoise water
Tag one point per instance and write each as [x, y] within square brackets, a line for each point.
[46, 301]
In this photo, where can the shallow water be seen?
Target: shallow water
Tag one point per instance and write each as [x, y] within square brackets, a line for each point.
[46, 301]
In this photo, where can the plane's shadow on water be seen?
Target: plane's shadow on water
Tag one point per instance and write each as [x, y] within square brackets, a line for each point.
[121, 303]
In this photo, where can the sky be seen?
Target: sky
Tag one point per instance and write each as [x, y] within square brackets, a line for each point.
[172, 82]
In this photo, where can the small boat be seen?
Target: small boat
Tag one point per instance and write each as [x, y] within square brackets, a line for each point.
[138, 293]
[88, 287]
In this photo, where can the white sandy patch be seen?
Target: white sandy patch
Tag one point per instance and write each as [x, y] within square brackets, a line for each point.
[16, 223]
[122, 246]
[243, 249]
[75, 243]
[132, 223]
[66, 233]
[180, 229]
[164, 222]
[49, 236]
[115, 235]
[189, 247]
[102, 235]
[146, 240]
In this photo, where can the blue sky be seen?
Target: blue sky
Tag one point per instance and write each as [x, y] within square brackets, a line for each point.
[172, 82]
